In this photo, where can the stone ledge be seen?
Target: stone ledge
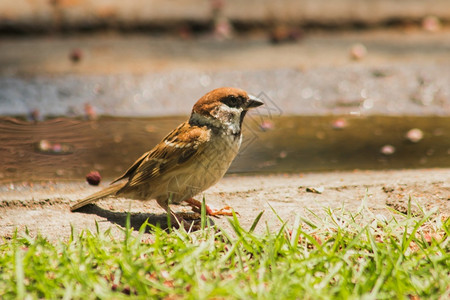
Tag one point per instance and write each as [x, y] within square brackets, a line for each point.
[50, 15]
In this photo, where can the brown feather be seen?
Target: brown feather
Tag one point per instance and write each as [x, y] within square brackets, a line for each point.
[109, 191]
[189, 141]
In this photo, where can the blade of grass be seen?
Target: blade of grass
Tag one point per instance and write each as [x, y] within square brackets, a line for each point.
[313, 241]
[20, 275]
[275, 213]
[203, 213]
[295, 232]
[326, 280]
[235, 225]
[356, 238]
[256, 221]
[127, 231]
[412, 235]
[373, 246]
[309, 223]
[408, 214]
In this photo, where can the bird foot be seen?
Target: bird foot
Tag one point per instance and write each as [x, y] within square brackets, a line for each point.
[224, 211]
[197, 207]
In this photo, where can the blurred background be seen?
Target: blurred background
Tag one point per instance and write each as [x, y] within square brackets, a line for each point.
[89, 85]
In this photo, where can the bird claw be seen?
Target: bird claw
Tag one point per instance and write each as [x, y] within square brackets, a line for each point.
[197, 205]
[224, 211]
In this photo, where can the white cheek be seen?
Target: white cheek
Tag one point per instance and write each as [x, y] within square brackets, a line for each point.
[230, 116]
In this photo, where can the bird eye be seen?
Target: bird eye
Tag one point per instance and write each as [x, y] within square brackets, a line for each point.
[231, 101]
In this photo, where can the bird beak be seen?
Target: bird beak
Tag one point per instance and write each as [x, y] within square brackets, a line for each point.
[253, 102]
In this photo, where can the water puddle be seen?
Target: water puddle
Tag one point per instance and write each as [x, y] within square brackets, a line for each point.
[64, 148]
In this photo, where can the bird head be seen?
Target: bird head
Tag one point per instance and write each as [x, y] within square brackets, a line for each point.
[224, 108]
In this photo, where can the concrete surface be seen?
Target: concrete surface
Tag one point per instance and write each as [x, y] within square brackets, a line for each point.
[72, 14]
[44, 207]
[403, 73]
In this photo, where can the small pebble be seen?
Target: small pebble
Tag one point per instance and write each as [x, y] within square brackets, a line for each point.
[89, 112]
[48, 147]
[266, 125]
[358, 51]
[284, 34]
[223, 28]
[75, 55]
[387, 150]
[44, 146]
[93, 178]
[414, 135]
[35, 115]
[339, 124]
[57, 148]
[431, 24]
[315, 190]
[388, 189]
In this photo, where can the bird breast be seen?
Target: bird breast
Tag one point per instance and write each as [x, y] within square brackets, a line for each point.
[209, 167]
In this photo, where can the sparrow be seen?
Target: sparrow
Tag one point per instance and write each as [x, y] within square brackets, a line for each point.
[190, 159]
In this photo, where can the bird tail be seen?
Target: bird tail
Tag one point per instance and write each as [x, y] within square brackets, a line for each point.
[109, 191]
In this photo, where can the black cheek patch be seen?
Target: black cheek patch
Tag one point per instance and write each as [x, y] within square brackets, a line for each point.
[241, 119]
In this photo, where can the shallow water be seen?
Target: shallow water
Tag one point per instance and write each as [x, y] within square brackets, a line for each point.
[65, 148]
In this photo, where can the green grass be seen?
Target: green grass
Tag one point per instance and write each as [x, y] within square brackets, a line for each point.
[341, 256]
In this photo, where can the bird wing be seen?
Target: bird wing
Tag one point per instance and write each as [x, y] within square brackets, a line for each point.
[176, 149]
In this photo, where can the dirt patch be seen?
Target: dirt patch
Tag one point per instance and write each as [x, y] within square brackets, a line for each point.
[418, 197]
[44, 207]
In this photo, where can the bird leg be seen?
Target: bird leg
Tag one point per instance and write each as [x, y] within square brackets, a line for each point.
[173, 216]
[197, 206]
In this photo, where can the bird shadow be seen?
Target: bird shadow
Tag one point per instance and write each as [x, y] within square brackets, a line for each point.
[136, 219]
